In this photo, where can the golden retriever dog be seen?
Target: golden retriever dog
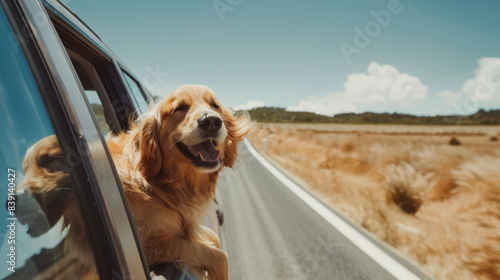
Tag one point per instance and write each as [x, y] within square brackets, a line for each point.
[168, 164]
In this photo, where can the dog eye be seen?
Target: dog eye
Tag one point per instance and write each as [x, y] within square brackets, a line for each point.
[182, 107]
[215, 106]
[52, 163]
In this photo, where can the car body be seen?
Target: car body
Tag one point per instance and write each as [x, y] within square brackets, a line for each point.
[58, 77]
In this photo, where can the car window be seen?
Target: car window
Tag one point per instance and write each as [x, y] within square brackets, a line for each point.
[32, 240]
[96, 104]
[140, 99]
[94, 90]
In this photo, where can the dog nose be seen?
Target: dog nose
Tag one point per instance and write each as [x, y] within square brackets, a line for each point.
[210, 122]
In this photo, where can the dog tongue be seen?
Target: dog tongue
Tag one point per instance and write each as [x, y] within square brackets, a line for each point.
[206, 150]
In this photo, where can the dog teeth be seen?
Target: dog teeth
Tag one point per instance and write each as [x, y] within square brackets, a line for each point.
[202, 157]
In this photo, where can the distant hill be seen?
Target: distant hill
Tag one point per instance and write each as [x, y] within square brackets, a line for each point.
[281, 115]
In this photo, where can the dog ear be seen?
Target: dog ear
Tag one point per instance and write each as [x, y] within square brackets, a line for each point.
[150, 159]
[238, 125]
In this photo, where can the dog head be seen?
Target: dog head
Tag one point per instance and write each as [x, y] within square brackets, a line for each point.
[45, 192]
[190, 129]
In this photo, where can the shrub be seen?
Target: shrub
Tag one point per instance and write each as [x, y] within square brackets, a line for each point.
[454, 142]
[406, 187]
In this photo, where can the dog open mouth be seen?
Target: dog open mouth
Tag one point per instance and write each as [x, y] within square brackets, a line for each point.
[203, 154]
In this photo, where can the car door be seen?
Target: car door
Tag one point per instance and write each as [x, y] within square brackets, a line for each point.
[41, 95]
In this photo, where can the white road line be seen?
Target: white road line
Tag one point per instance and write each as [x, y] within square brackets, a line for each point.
[379, 256]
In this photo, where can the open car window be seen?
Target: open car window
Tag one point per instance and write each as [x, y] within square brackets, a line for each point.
[92, 74]
[95, 92]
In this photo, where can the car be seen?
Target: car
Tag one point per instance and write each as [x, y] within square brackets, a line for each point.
[58, 77]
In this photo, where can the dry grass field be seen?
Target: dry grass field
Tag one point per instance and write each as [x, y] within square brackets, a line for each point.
[438, 203]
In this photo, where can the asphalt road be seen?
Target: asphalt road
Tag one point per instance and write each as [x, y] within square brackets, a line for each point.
[270, 233]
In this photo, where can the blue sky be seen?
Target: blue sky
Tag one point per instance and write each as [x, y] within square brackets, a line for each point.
[430, 57]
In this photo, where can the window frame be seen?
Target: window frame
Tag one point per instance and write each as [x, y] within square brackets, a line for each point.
[145, 96]
[79, 135]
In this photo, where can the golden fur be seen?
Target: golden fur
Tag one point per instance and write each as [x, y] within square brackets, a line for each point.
[167, 192]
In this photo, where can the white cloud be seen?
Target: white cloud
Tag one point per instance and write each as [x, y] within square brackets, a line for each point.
[329, 104]
[382, 85]
[249, 105]
[483, 90]
[485, 86]
[451, 98]
[385, 84]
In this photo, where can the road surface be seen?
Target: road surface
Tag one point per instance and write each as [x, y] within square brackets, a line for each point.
[271, 233]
